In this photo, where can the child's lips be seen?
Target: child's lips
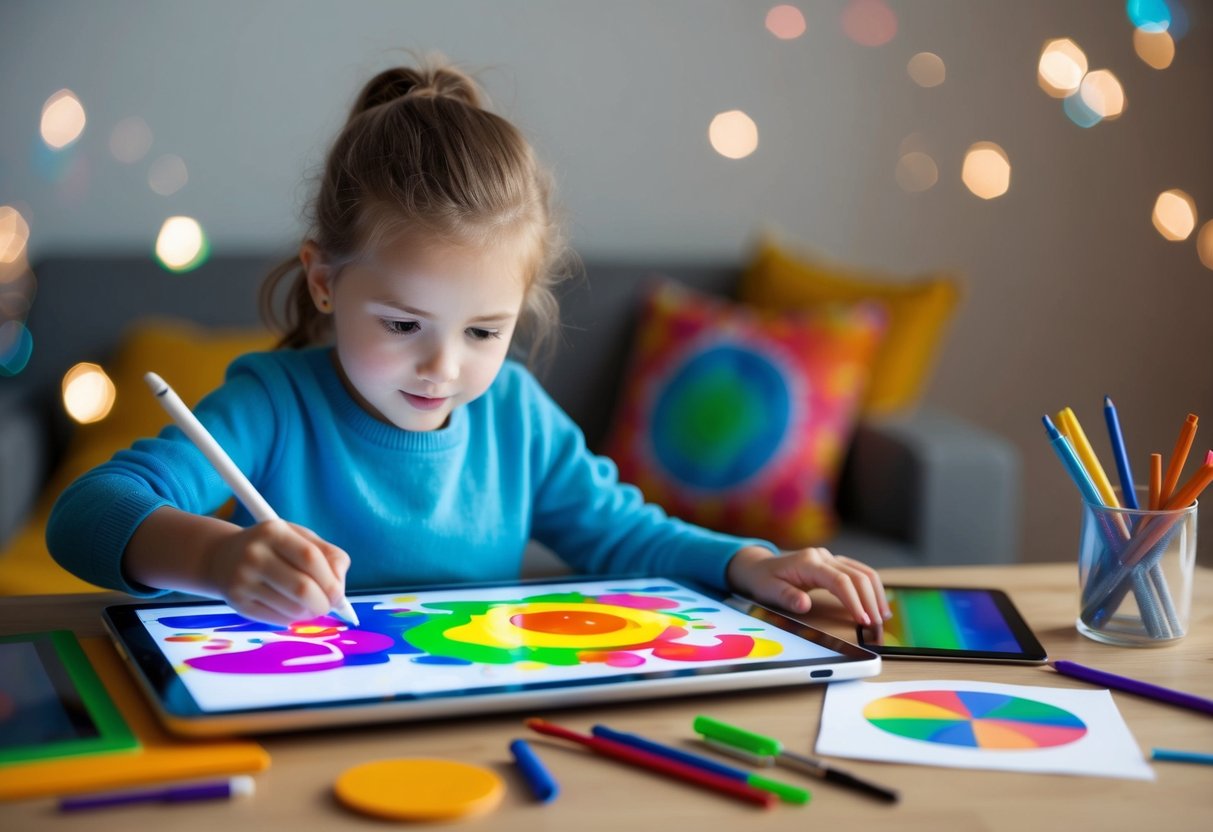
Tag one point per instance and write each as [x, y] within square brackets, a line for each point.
[424, 402]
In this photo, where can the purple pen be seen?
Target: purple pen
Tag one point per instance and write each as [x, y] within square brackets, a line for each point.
[1101, 677]
[239, 786]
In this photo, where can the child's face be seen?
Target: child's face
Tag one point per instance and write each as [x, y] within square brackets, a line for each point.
[423, 329]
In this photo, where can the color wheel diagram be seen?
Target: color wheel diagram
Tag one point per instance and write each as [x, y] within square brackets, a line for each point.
[973, 719]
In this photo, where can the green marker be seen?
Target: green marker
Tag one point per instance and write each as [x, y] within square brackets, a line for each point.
[721, 733]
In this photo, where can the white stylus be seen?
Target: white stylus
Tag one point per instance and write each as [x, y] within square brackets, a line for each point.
[233, 476]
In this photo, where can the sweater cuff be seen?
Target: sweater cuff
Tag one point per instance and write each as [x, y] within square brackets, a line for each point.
[115, 530]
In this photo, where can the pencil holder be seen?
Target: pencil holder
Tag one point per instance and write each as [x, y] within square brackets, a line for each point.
[1135, 572]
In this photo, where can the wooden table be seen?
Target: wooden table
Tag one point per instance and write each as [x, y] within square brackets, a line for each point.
[295, 793]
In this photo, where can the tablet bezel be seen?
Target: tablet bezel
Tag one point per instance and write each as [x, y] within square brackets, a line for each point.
[178, 710]
[1031, 650]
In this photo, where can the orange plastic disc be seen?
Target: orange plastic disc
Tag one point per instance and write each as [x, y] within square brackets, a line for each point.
[419, 789]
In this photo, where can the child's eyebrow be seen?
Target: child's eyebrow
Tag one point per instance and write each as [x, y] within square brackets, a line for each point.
[421, 313]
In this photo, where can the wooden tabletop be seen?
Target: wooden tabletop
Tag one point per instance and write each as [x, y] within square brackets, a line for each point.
[295, 794]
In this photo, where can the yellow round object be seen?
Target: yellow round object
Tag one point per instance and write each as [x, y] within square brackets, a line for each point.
[419, 789]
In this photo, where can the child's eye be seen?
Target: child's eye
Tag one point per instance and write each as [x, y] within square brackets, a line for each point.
[483, 334]
[399, 327]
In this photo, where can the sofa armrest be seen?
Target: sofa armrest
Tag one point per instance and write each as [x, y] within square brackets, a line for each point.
[944, 486]
[24, 458]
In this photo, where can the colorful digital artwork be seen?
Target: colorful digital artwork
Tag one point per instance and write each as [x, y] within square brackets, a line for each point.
[463, 638]
[981, 725]
[974, 719]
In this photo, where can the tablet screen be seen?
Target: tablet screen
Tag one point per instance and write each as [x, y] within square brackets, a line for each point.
[465, 641]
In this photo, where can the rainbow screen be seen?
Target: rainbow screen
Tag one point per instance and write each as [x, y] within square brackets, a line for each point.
[459, 640]
[947, 619]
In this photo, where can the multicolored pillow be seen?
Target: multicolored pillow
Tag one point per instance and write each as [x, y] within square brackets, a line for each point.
[738, 420]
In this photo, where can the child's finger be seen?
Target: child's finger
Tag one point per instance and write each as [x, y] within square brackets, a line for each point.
[867, 593]
[877, 585]
[842, 586]
[335, 555]
[307, 558]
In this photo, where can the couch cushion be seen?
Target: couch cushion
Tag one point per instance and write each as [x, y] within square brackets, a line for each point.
[739, 421]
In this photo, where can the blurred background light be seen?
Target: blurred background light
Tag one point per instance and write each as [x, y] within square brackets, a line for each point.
[927, 69]
[63, 119]
[916, 171]
[1061, 67]
[88, 393]
[14, 234]
[1079, 113]
[1101, 91]
[869, 22]
[167, 175]
[1155, 48]
[733, 134]
[987, 170]
[181, 244]
[785, 22]
[1204, 244]
[130, 140]
[16, 347]
[1174, 214]
[1149, 15]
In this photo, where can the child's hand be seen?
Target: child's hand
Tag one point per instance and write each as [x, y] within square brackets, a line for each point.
[278, 572]
[785, 579]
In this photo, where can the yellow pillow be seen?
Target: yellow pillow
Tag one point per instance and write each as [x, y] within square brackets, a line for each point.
[189, 357]
[918, 311]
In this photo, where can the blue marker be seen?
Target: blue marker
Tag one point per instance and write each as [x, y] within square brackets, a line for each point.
[537, 776]
[1074, 466]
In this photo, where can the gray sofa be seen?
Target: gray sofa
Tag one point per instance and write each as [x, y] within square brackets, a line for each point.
[923, 489]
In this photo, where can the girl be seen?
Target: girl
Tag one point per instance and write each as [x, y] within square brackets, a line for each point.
[390, 420]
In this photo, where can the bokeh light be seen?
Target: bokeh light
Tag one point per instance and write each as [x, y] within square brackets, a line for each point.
[1174, 214]
[16, 347]
[785, 22]
[1149, 15]
[130, 140]
[1204, 244]
[1156, 49]
[63, 119]
[927, 69]
[733, 134]
[88, 393]
[181, 244]
[869, 22]
[916, 171]
[1061, 67]
[987, 170]
[167, 175]
[1079, 113]
[1101, 91]
[14, 234]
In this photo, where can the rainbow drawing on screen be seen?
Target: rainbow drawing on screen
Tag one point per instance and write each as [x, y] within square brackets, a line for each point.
[619, 628]
[947, 619]
[973, 719]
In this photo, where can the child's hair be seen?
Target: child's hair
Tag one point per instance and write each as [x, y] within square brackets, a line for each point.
[419, 153]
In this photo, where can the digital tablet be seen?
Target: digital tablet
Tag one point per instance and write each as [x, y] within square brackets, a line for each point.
[466, 650]
[953, 623]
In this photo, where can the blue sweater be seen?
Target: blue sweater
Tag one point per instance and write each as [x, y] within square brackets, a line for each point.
[452, 505]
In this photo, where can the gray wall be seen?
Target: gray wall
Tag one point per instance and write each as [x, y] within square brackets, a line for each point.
[1072, 293]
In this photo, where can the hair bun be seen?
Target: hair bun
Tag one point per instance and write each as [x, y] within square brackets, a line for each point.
[432, 81]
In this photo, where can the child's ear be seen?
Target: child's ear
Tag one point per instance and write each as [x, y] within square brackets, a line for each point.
[318, 273]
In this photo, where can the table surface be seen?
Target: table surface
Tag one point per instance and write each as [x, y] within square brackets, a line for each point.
[295, 793]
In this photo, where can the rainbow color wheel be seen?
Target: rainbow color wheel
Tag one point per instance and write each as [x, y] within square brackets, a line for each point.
[973, 719]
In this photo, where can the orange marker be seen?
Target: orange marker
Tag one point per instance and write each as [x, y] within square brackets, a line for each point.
[1178, 457]
[1155, 481]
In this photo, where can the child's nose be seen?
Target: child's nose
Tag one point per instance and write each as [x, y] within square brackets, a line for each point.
[439, 365]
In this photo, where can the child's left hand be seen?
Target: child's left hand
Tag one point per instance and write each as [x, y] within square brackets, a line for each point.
[785, 580]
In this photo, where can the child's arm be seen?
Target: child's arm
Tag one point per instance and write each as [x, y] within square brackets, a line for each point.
[275, 571]
[785, 580]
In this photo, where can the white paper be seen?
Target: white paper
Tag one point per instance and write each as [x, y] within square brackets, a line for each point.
[1104, 749]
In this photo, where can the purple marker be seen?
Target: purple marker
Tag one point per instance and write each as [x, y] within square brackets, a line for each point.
[239, 786]
[1102, 677]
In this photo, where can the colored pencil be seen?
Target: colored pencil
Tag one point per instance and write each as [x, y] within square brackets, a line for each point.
[1155, 481]
[1127, 491]
[1178, 457]
[1111, 680]
[670, 768]
[1172, 755]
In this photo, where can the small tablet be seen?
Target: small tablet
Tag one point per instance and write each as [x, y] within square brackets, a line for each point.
[953, 623]
[466, 650]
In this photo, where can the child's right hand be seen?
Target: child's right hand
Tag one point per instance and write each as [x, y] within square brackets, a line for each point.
[278, 572]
